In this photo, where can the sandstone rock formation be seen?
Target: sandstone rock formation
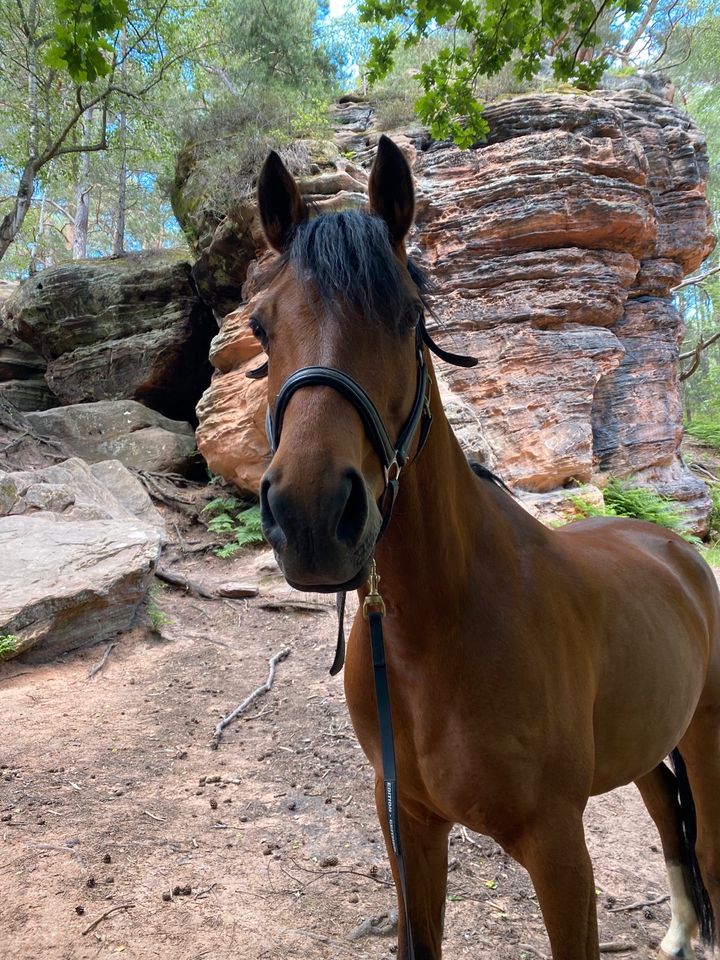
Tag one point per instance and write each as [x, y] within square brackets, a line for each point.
[554, 248]
[90, 539]
[122, 430]
[123, 328]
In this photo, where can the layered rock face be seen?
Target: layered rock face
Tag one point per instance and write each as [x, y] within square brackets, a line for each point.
[554, 248]
[126, 328]
[22, 370]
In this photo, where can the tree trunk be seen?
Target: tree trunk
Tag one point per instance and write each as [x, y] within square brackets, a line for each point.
[118, 247]
[13, 220]
[34, 259]
[82, 203]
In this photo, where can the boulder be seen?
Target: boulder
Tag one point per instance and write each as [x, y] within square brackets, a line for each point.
[77, 549]
[88, 579]
[121, 430]
[28, 395]
[131, 327]
[79, 491]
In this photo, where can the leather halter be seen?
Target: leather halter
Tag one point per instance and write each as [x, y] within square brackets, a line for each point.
[393, 457]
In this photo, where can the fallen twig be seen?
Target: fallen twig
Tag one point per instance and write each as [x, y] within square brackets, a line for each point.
[205, 893]
[60, 849]
[264, 688]
[104, 916]
[699, 468]
[639, 904]
[294, 606]
[109, 649]
[189, 586]
[322, 938]
[616, 947]
[153, 817]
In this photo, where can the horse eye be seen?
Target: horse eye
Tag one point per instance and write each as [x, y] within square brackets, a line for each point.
[258, 331]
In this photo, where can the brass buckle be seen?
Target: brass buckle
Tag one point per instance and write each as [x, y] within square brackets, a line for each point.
[373, 599]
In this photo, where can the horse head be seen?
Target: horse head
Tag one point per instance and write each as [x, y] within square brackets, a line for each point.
[340, 321]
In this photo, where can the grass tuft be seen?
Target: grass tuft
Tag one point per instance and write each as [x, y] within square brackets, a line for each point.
[705, 430]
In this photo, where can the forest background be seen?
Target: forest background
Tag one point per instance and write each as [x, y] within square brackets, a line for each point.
[98, 97]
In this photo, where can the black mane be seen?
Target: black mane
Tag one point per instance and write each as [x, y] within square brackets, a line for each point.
[349, 258]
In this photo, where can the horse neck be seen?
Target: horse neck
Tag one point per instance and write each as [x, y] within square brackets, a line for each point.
[450, 532]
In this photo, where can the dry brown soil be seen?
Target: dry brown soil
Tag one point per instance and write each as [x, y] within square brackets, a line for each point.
[110, 796]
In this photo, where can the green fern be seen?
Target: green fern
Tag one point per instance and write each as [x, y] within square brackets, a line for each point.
[245, 527]
[639, 503]
[222, 523]
[221, 505]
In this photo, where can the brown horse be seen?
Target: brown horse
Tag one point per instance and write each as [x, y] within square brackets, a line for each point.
[530, 668]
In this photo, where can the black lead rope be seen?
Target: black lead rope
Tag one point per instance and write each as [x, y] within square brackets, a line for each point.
[374, 611]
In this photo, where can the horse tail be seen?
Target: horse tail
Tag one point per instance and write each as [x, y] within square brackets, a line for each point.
[688, 834]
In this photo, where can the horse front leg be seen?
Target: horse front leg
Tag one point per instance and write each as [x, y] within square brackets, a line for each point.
[554, 853]
[424, 841]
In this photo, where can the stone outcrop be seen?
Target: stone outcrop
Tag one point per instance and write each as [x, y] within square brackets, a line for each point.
[90, 537]
[122, 430]
[554, 248]
[22, 370]
[132, 327]
[226, 241]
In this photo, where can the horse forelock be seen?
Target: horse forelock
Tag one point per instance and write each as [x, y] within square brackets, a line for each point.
[349, 260]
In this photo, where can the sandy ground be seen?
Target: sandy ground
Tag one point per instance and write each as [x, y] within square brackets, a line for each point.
[269, 847]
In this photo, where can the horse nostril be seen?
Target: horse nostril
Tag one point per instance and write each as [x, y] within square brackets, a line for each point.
[353, 519]
[270, 526]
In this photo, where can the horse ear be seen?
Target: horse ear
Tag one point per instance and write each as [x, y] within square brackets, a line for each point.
[281, 206]
[391, 189]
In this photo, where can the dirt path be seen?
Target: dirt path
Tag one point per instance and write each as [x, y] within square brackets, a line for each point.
[111, 797]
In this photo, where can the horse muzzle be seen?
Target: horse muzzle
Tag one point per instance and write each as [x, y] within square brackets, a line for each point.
[323, 541]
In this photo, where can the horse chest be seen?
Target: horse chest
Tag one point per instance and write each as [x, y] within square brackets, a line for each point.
[467, 749]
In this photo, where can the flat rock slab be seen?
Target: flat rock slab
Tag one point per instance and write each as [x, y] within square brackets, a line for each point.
[66, 583]
[78, 544]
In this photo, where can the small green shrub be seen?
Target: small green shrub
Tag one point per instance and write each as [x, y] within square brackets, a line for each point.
[712, 554]
[158, 617]
[8, 644]
[714, 491]
[231, 518]
[639, 503]
[627, 70]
